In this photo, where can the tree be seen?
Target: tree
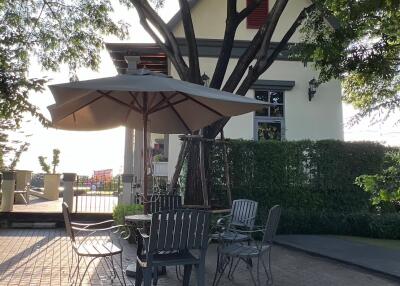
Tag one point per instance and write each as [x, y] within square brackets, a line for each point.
[54, 33]
[356, 41]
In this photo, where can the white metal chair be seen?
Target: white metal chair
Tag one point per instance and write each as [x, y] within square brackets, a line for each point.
[86, 243]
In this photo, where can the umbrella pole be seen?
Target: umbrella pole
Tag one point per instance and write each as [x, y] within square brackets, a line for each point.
[145, 156]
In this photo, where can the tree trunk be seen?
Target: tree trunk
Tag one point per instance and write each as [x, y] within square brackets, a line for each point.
[193, 191]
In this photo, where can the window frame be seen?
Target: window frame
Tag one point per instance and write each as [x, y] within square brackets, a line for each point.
[270, 119]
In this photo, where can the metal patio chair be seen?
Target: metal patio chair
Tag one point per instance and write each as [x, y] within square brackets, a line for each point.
[242, 217]
[86, 242]
[177, 237]
[256, 250]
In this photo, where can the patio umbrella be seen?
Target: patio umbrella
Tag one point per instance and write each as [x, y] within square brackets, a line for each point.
[154, 102]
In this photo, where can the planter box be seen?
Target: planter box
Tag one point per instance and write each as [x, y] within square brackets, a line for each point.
[51, 186]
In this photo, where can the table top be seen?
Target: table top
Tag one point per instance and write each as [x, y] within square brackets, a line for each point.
[138, 218]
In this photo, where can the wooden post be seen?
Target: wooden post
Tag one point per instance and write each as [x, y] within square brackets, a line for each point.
[145, 157]
[227, 173]
[202, 173]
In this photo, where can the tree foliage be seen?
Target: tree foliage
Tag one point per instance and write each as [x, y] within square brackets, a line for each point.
[359, 43]
[384, 187]
[55, 33]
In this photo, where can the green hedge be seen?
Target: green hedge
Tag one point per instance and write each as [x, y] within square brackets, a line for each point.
[312, 181]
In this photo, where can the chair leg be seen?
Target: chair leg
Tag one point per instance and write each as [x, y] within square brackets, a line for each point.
[147, 276]
[250, 268]
[155, 275]
[139, 275]
[187, 270]
[268, 269]
[122, 269]
[232, 270]
[87, 268]
[218, 274]
[200, 274]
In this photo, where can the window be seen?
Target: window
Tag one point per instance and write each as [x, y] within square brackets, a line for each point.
[269, 122]
[257, 17]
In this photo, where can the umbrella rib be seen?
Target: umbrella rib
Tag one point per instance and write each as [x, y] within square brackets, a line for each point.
[166, 106]
[203, 105]
[119, 101]
[157, 106]
[176, 113]
[80, 107]
[135, 99]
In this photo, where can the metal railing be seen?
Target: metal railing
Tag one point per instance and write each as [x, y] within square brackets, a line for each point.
[96, 196]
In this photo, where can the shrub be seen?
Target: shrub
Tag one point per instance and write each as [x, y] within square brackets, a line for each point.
[312, 181]
[120, 211]
[384, 187]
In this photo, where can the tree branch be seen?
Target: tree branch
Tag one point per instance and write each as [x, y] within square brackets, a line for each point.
[248, 56]
[149, 14]
[194, 66]
[262, 65]
[232, 22]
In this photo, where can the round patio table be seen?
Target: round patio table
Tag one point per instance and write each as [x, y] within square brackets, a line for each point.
[134, 220]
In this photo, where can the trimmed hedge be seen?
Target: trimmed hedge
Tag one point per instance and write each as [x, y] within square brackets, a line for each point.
[312, 180]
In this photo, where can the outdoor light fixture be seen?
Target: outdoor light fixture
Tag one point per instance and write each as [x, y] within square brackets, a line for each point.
[312, 88]
[205, 79]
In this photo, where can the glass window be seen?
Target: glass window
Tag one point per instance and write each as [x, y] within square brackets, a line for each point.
[269, 122]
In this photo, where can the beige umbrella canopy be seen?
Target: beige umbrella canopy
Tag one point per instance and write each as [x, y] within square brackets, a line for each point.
[172, 106]
[147, 100]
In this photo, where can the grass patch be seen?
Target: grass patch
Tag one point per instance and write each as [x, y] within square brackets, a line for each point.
[385, 243]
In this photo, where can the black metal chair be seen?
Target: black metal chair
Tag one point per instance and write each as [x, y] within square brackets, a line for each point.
[257, 249]
[90, 245]
[177, 237]
[242, 217]
[160, 203]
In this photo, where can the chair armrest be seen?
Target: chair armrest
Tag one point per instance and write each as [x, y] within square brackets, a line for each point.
[221, 220]
[145, 238]
[115, 227]
[89, 225]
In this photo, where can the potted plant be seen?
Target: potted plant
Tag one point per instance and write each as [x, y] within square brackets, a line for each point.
[51, 179]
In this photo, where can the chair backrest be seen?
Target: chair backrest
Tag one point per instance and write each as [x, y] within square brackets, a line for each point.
[159, 203]
[272, 224]
[244, 213]
[67, 221]
[179, 230]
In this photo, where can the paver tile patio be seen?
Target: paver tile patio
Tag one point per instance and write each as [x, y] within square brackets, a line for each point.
[40, 257]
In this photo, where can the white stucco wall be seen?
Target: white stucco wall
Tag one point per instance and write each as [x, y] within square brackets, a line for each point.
[319, 119]
[209, 20]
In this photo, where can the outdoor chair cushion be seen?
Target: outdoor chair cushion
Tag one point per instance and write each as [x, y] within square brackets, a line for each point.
[230, 236]
[168, 259]
[241, 250]
[98, 249]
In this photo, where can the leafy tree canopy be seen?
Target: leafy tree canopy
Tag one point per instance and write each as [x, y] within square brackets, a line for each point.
[359, 43]
[55, 32]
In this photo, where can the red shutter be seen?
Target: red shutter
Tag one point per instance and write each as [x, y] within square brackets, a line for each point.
[257, 17]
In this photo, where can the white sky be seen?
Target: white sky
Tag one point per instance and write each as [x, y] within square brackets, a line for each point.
[83, 152]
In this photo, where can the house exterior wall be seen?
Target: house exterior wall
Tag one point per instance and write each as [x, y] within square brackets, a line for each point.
[209, 20]
[319, 119]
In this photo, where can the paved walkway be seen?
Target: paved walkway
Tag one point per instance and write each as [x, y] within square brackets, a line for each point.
[40, 257]
[386, 261]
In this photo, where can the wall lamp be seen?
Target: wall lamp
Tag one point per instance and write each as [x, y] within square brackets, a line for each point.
[312, 88]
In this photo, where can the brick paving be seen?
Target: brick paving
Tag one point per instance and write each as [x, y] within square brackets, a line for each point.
[40, 257]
